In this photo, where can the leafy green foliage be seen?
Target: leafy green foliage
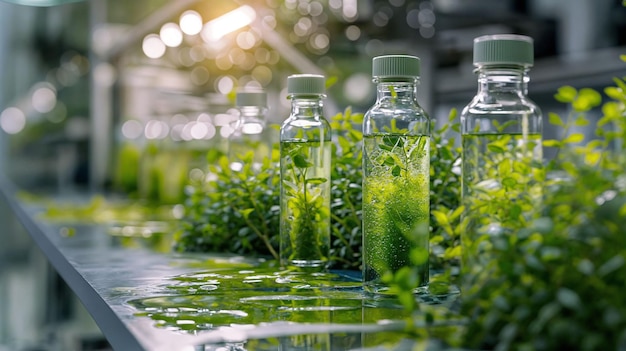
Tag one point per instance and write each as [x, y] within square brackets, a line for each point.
[239, 212]
[445, 194]
[556, 279]
[233, 212]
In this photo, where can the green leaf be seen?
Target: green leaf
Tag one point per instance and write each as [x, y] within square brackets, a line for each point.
[391, 140]
[315, 181]
[620, 83]
[566, 94]
[509, 182]
[555, 119]
[301, 162]
[332, 80]
[574, 138]
[396, 171]
[246, 212]
[440, 217]
[614, 93]
[623, 57]
[385, 147]
[452, 115]
[493, 147]
[581, 121]
[389, 161]
[347, 112]
[357, 118]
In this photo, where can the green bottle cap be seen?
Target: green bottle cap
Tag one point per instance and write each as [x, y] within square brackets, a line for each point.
[251, 98]
[400, 66]
[504, 49]
[306, 84]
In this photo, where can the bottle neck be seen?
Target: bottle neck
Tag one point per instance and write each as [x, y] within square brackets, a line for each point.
[252, 114]
[396, 91]
[307, 106]
[513, 79]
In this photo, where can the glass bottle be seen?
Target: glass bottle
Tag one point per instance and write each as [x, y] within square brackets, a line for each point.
[396, 176]
[502, 152]
[305, 161]
[250, 140]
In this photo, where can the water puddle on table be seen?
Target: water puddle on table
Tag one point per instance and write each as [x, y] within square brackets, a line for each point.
[275, 309]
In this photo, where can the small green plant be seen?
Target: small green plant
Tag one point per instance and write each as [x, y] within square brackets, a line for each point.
[306, 218]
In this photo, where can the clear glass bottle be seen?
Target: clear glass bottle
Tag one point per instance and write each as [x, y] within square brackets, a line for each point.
[251, 140]
[396, 175]
[305, 161]
[502, 152]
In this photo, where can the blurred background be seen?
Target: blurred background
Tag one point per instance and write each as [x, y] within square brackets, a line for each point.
[86, 87]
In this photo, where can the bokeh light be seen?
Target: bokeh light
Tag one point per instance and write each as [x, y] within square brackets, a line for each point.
[44, 98]
[190, 22]
[358, 88]
[132, 129]
[246, 40]
[412, 18]
[353, 32]
[225, 85]
[374, 47]
[153, 46]
[12, 120]
[171, 35]
[199, 75]
[262, 74]
[349, 10]
[156, 129]
[197, 53]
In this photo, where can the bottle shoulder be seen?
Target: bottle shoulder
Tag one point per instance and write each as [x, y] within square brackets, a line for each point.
[501, 103]
[400, 111]
[305, 128]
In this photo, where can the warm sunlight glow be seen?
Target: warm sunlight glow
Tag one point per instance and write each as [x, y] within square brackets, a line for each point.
[215, 29]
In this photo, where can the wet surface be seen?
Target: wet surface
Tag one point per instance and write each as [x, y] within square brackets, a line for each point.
[144, 299]
[284, 309]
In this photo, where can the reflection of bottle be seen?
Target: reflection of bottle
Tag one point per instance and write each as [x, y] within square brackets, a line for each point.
[250, 140]
[502, 154]
[305, 161]
[396, 174]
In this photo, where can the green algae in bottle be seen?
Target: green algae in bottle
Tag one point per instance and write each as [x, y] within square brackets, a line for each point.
[250, 143]
[396, 176]
[502, 152]
[305, 161]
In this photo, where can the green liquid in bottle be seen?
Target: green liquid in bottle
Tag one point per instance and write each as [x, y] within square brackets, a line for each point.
[305, 203]
[396, 204]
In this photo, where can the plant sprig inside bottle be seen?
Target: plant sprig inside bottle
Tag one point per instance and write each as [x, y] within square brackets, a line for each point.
[305, 149]
[502, 155]
[306, 199]
[396, 178]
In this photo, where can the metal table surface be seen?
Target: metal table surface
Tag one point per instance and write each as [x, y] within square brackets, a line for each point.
[105, 276]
